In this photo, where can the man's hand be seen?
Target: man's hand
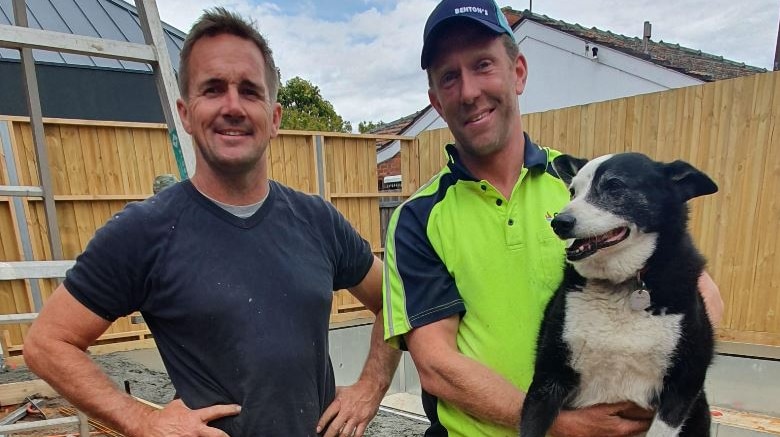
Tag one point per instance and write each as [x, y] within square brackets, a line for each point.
[351, 411]
[176, 420]
[712, 300]
[607, 420]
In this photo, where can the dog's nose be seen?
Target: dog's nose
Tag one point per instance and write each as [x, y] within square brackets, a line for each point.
[563, 224]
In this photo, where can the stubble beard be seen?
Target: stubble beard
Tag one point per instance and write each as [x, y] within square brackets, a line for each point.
[480, 149]
[232, 167]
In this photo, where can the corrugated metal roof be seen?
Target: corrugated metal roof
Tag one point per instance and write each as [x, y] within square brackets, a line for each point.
[109, 19]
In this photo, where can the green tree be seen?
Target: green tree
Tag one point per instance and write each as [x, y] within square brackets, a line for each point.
[305, 109]
[365, 127]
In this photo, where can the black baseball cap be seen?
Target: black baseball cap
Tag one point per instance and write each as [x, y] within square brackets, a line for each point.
[484, 12]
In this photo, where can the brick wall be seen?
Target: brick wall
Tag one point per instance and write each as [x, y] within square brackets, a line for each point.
[391, 167]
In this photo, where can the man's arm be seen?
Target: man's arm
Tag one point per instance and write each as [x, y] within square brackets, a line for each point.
[482, 393]
[460, 380]
[355, 406]
[54, 349]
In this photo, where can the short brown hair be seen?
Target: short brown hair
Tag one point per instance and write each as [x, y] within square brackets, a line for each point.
[220, 21]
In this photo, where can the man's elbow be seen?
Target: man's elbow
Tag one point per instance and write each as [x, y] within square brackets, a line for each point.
[429, 385]
[432, 379]
[34, 351]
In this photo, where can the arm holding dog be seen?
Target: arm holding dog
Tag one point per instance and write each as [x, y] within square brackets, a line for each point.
[450, 375]
[478, 390]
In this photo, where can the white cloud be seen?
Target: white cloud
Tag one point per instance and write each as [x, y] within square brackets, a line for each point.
[182, 13]
[368, 64]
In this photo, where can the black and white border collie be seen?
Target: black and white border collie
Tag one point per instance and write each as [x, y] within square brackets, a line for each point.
[628, 322]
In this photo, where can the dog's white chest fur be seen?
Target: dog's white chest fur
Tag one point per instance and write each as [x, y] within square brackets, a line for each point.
[621, 354]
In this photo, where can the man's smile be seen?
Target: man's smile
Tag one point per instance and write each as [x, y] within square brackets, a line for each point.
[231, 132]
[479, 117]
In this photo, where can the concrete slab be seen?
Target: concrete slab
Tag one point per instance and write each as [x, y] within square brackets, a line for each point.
[409, 403]
[149, 358]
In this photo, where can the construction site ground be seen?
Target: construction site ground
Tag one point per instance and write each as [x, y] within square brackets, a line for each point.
[154, 386]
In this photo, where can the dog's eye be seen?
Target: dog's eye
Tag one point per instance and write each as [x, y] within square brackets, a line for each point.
[571, 193]
[614, 184]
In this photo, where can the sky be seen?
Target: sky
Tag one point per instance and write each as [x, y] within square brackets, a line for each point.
[364, 55]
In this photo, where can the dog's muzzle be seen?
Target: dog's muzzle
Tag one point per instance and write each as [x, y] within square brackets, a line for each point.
[563, 225]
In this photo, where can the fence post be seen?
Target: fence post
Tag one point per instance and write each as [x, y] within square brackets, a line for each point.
[318, 147]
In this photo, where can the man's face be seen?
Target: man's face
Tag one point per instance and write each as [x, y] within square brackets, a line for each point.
[474, 87]
[229, 112]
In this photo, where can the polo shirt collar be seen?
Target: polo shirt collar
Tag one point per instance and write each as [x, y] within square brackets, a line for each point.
[533, 157]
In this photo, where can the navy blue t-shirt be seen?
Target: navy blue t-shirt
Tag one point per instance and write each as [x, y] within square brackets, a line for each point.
[239, 308]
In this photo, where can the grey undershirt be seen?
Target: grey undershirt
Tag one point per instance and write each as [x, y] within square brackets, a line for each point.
[241, 211]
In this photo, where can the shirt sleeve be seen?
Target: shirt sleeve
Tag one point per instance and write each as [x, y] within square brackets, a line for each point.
[417, 288]
[353, 256]
[108, 277]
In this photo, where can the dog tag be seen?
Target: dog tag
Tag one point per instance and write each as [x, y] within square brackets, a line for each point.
[639, 300]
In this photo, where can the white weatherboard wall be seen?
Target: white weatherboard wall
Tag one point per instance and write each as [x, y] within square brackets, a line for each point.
[562, 74]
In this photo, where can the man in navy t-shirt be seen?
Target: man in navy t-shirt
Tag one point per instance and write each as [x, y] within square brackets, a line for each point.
[233, 273]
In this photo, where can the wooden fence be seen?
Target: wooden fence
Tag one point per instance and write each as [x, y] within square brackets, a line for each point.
[730, 130]
[98, 167]
[342, 169]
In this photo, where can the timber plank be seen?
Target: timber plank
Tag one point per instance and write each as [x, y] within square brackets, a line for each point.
[93, 160]
[746, 420]
[14, 393]
[128, 163]
[143, 153]
[112, 171]
[74, 160]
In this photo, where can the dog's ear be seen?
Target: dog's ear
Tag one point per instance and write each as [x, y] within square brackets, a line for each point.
[689, 181]
[567, 167]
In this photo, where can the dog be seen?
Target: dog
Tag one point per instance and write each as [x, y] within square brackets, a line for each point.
[627, 322]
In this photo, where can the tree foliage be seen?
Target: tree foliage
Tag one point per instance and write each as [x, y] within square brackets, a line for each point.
[304, 108]
[365, 127]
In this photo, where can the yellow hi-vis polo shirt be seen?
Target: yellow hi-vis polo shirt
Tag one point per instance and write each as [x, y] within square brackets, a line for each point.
[458, 246]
